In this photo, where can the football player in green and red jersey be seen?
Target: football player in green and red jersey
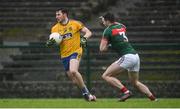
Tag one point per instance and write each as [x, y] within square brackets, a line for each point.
[115, 35]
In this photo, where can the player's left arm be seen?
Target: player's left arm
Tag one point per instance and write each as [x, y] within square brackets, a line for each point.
[87, 32]
[103, 44]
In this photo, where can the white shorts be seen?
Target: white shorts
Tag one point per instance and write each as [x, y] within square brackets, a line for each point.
[130, 62]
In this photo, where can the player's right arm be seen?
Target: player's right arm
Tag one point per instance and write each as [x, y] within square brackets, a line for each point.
[103, 44]
[51, 42]
[105, 40]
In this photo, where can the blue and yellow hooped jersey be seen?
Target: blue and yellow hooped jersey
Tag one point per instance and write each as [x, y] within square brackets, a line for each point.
[71, 37]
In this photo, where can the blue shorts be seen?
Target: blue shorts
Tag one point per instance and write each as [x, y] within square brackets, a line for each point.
[66, 60]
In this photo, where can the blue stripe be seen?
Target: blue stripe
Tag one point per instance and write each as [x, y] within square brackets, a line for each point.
[66, 60]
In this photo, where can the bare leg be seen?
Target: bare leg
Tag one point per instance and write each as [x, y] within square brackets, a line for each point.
[76, 77]
[111, 71]
[109, 75]
[134, 78]
[74, 73]
[72, 77]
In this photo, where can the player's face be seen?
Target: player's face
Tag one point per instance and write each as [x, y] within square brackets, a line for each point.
[104, 22]
[60, 16]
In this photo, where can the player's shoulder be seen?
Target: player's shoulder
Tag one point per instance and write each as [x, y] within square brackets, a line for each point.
[106, 31]
[73, 21]
[55, 25]
[120, 24]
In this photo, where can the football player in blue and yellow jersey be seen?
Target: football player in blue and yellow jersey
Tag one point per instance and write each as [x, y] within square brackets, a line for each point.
[71, 49]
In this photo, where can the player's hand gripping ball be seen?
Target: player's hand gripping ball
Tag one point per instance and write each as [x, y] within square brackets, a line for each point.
[57, 37]
[54, 38]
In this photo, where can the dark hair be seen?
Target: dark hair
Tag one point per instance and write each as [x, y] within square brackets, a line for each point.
[109, 16]
[64, 11]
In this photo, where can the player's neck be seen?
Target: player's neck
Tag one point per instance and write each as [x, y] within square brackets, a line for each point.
[66, 20]
[111, 23]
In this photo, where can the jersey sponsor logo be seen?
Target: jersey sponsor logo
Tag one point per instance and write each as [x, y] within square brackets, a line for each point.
[67, 35]
[117, 31]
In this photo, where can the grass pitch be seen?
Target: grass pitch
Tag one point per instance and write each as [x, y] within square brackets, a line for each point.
[80, 103]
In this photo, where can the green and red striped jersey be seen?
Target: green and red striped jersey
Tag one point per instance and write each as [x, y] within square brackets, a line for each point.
[115, 34]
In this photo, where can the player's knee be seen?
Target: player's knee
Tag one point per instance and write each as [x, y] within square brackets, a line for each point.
[134, 82]
[73, 72]
[74, 81]
[104, 76]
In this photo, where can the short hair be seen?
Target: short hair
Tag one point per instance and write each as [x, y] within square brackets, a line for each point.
[64, 11]
[109, 16]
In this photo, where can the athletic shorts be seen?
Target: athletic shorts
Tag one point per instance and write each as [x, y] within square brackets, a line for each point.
[130, 62]
[66, 60]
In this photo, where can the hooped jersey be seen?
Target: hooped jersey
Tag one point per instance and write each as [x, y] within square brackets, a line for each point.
[116, 36]
[71, 37]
